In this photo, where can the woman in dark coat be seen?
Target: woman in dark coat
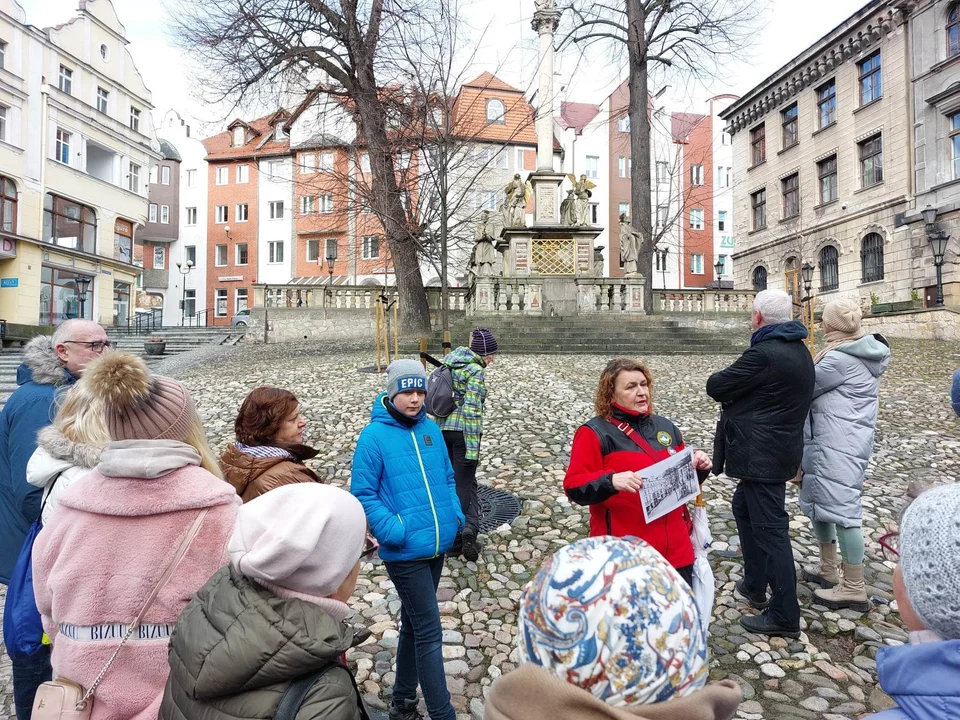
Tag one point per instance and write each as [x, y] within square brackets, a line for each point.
[607, 463]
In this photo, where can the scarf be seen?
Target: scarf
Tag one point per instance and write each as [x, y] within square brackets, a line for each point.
[837, 338]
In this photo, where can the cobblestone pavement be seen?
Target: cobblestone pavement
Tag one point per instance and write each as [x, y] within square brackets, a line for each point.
[535, 404]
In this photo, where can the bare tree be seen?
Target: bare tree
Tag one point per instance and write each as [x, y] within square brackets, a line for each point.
[687, 37]
[350, 49]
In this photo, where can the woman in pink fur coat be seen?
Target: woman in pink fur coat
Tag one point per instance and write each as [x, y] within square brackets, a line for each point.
[116, 530]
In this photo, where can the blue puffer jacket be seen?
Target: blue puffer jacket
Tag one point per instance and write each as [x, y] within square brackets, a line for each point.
[403, 478]
[924, 680]
[30, 408]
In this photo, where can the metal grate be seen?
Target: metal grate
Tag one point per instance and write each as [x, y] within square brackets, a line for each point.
[554, 257]
[496, 507]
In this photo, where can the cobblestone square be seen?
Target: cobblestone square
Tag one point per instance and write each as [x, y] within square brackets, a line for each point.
[533, 408]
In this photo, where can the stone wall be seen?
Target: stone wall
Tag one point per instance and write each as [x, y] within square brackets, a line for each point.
[932, 324]
[293, 324]
[734, 323]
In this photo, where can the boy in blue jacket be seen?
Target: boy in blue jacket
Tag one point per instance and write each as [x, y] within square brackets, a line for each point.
[403, 478]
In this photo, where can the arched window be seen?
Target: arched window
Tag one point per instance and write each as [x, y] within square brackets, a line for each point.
[953, 31]
[8, 205]
[871, 258]
[759, 278]
[496, 112]
[829, 269]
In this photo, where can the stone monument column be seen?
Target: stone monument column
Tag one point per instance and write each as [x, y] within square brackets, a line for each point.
[546, 19]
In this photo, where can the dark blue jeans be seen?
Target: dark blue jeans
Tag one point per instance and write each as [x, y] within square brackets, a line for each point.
[28, 675]
[420, 648]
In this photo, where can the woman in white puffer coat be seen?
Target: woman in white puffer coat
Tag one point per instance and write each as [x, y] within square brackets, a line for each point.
[69, 448]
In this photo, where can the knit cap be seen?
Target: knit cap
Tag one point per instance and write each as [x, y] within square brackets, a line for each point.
[300, 540]
[843, 315]
[405, 376]
[139, 405]
[483, 343]
[930, 558]
[603, 614]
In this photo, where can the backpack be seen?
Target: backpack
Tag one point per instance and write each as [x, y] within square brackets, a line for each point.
[442, 398]
[297, 692]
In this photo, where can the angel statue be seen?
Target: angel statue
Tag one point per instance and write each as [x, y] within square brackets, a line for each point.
[629, 245]
[568, 209]
[516, 193]
[485, 254]
[581, 190]
[544, 4]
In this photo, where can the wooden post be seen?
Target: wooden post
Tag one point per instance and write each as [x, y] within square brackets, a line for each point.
[378, 335]
[386, 331]
[423, 349]
[396, 329]
[447, 346]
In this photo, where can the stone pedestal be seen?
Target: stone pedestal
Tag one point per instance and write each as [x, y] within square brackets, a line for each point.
[546, 197]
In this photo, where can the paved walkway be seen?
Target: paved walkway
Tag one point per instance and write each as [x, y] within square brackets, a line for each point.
[534, 406]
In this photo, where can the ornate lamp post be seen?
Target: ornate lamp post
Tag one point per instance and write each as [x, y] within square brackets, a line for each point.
[183, 288]
[806, 273]
[938, 244]
[331, 259]
[717, 271]
[83, 284]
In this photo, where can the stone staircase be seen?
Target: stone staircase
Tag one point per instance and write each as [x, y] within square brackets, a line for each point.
[179, 340]
[593, 336]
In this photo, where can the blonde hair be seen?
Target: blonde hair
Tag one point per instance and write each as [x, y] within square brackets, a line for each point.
[197, 439]
[80, 416]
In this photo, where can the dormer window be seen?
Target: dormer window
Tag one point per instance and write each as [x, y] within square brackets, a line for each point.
[496, 113]
[238, 136]
[280, 131]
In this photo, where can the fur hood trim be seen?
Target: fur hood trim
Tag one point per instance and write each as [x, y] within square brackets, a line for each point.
[41, 360]
[58, 446]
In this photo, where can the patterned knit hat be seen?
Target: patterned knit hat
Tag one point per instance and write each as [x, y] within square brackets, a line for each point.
[930, 558]
[139, 405]
[483, 343]
[611, 616]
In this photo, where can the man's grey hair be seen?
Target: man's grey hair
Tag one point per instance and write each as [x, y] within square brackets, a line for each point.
[774, 306]
[66, 330]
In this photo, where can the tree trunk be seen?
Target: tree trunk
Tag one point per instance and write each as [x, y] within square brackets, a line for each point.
[640, 144]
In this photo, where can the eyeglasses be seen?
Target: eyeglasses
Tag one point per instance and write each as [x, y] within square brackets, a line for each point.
[369, 547]
[890, 543]
[98, 346]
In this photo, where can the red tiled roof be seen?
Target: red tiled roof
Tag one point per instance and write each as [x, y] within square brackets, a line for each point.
[682, 124]
[220, 147]
[577, 115]
[488, 81]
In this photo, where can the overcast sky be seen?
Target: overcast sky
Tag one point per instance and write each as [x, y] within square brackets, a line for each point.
[505, 44]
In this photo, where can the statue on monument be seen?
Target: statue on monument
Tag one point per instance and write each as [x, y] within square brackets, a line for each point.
[629, 246]
[568, 210]
[581, 191]
[484, 252]
[516, 195]
[544, 5]
[598, 260]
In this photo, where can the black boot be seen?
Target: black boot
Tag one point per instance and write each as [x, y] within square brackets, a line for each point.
[760, 603]
[406, 711]
[763, 624]
[471, 548]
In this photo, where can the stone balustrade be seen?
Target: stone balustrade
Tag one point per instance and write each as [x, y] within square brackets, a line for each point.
[546, 295]
[703, 301]
[344, 297]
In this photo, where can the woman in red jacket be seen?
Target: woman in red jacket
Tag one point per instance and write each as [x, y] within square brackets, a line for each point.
[607, 463]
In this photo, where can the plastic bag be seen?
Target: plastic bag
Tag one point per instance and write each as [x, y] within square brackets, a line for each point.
[704, 589]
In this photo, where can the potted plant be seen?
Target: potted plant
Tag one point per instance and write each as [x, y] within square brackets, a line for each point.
[155, 345]
[876, 307]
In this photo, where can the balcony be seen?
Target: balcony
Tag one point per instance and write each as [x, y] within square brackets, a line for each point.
[102, 163]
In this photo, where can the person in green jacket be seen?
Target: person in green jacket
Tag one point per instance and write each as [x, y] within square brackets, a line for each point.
[463, 428]
[275, 614]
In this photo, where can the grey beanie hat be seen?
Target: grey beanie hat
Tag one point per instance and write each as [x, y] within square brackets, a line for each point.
[930, 558]
[404, 376]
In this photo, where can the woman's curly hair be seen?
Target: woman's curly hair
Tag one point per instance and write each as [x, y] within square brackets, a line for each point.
[608, 382]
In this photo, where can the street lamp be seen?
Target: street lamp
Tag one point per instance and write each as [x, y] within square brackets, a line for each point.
[183, 287]
[717, 271]
[806, 273]
[938, 244]
[331, 259]
[83, 284]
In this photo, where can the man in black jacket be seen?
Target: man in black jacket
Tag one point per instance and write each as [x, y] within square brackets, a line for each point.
[765, 396]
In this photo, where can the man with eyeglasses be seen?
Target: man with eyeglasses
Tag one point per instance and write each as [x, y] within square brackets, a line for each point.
[51, 364]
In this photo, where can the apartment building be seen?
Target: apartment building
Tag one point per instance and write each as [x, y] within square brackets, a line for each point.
[161, 230]
[76, 145]
[822, 165]
[184, 301]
